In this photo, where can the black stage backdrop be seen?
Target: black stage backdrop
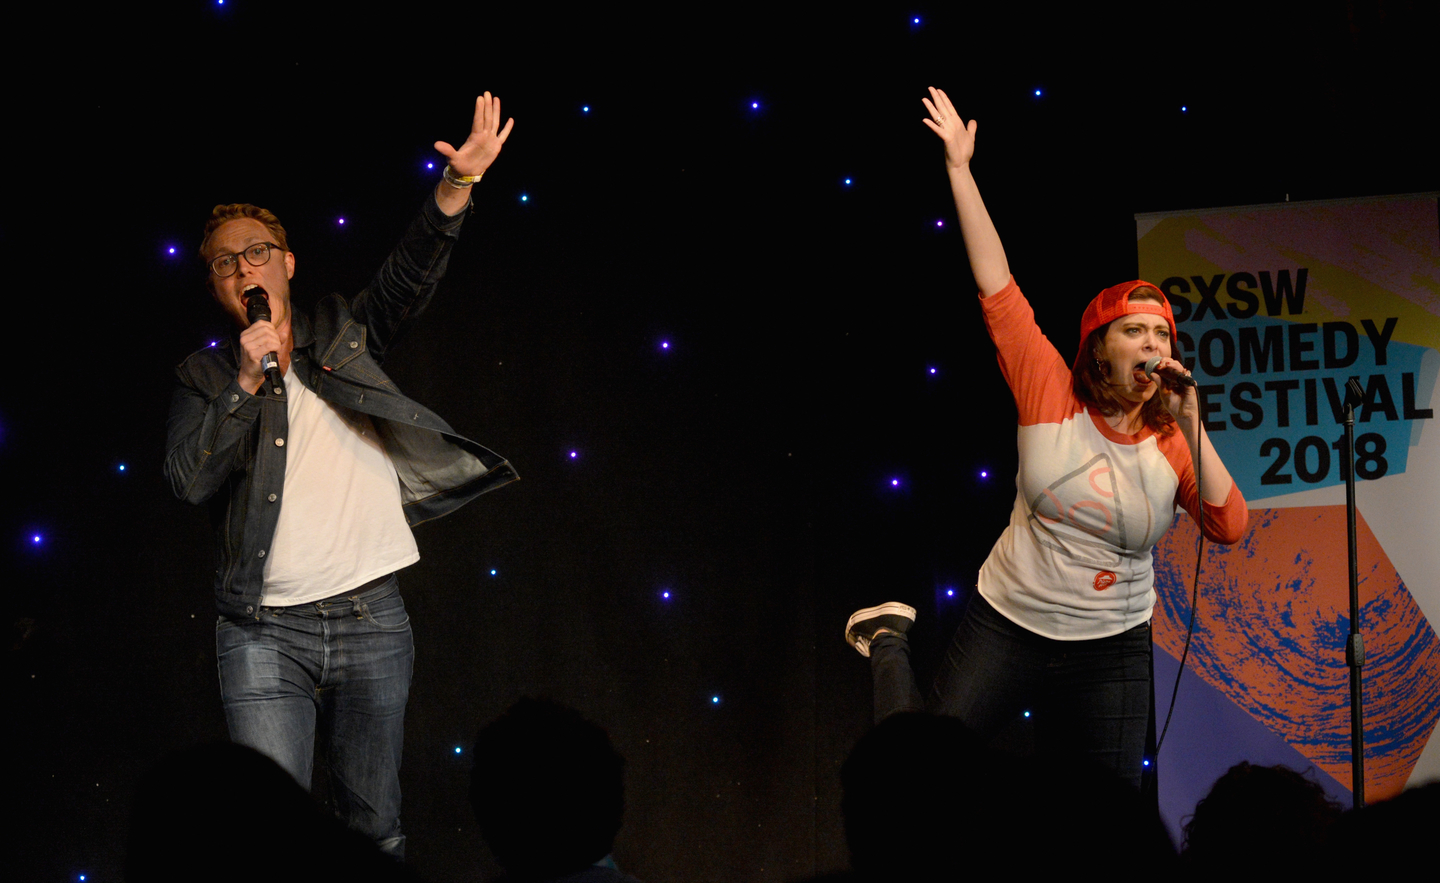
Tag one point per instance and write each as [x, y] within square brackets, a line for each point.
[823, 345]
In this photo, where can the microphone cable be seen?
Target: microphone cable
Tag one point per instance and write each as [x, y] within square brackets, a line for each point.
[1194, 592]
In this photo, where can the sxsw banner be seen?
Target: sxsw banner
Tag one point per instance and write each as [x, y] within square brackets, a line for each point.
[1276, 307]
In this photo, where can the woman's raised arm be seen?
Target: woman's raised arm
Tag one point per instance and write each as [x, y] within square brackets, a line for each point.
[982, 242]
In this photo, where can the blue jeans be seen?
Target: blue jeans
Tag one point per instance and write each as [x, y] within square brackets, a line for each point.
[1087, 698]
[344, 661]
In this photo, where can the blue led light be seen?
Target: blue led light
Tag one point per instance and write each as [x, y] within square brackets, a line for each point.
[754, 105]
[949, 593]
[715, 700]
[1147, 761]
[940, 223]
[1183, 108]
[524, 197]
[849, 181]
[665, 594]
[1037, 93]
[122, 467]
[170, 250]
[212, 343]
[664, 344]
[915, 20]
[934, 370]
[574, 454]
[341, 222]
[1027, 714]
[494, 572]
[984, 473]
[457, 749]
[894, 482]
[430, 165]
[585, 109]
[35, 539]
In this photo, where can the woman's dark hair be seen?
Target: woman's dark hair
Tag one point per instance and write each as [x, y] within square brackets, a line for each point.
[1092, 385]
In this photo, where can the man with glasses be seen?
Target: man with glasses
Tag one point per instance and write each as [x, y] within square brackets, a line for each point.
[315, 481]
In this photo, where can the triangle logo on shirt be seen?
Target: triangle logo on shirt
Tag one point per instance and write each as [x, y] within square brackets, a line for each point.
[1080, 513]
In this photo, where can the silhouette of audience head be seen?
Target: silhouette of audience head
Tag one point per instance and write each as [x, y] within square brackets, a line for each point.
[1395, 832]
[1264, 818]
[547, 790]
[924, 796]
[224, 812]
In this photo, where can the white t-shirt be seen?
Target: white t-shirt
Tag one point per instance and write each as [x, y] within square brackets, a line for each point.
[341, 523]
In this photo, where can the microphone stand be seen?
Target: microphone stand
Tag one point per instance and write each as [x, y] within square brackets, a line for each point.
[1354, 644]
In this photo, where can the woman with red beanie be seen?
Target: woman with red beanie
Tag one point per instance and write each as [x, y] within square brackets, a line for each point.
[1110, 446]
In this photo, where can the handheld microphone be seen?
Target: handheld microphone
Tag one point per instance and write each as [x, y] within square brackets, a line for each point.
[1170, 374]
[257, 307]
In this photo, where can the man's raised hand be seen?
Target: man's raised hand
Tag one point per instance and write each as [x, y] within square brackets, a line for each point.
[486, 138]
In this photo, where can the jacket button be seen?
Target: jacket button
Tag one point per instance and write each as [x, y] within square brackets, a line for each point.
[262, 554]
[234, 397]
[272, 498]
[279, 442]
[354, 344]
[249, 609]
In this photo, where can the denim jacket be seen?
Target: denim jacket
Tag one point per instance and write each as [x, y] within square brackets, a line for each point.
[227, 446]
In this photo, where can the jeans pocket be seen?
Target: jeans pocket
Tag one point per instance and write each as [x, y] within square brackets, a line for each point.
[225, 623]
[386, 614]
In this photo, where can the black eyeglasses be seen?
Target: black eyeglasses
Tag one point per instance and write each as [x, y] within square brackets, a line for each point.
[256, 255]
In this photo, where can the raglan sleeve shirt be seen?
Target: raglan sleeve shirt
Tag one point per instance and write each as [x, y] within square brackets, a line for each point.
[1075, 562]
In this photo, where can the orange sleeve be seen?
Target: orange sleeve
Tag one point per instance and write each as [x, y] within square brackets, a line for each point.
[1037, 376]
[1220, 524]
